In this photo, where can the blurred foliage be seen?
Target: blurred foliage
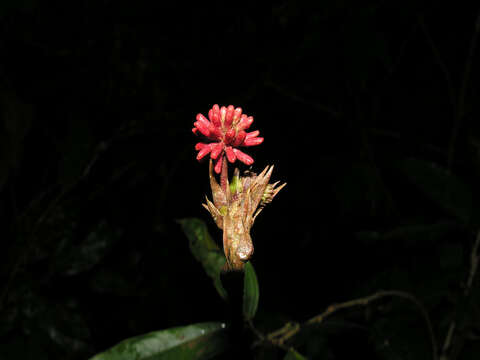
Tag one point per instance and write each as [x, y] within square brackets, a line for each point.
[251, 292]
[368, 114]
[205, 250]
[198, 341]
[441, 187]
[293, 355]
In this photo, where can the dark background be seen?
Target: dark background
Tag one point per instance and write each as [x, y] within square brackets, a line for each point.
[369, 113]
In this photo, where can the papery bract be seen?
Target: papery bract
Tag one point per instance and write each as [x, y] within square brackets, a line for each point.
[235, 207]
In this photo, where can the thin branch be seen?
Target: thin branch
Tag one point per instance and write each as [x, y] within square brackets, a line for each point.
[468, 67]
[460, 109]
[317, 106]
[401, 52]
[448, 340]
[439, 60]
[471, 276]
[396, 136]
[473, 264]
[280, 336]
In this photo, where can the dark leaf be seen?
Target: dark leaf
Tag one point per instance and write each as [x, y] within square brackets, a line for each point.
[251, 292]
[205, 250]
[292, 354]
[442, 187]
[73, 259]
[197, 341]
[410, 234]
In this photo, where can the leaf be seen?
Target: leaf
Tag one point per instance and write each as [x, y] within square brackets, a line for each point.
[251, 292]
[110, 281]
[292, 354]
[205, 250]
[77, 150]
[197, 341]
[442, 187]
[359, 190]
[414, 234]
[73, 259]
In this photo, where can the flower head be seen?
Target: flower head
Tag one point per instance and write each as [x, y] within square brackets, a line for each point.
[225, 129]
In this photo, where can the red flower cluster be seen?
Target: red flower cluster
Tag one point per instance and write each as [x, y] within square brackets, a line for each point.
[226, 129]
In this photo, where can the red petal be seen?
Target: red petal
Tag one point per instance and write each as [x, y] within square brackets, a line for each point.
[200, 146]
[210, 113]
[206, 149]
[194, 130]
[229, 136]
[252, 134]
[239, 138]
[230, 154]
[203, 120]
[245, 122]
[218, 165]
[216, 116]
[215, 132]
[237, 114]
[223, 113]
[229, 116]
[253, 141]
[202, 128]
[247, 160]
[216, 150]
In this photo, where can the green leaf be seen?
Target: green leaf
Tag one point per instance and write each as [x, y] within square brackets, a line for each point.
[251, 292]
[72, 259]
[197, 341]
[205, 250]
[442, 187]
[294, 355]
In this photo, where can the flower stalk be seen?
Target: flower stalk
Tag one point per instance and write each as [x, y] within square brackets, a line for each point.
[236, 203]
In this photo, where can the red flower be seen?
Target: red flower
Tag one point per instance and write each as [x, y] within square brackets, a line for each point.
[226, 131]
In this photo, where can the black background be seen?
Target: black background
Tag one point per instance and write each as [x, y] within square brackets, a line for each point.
[369, 113]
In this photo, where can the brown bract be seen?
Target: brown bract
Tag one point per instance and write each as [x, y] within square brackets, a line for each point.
[236, 206]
